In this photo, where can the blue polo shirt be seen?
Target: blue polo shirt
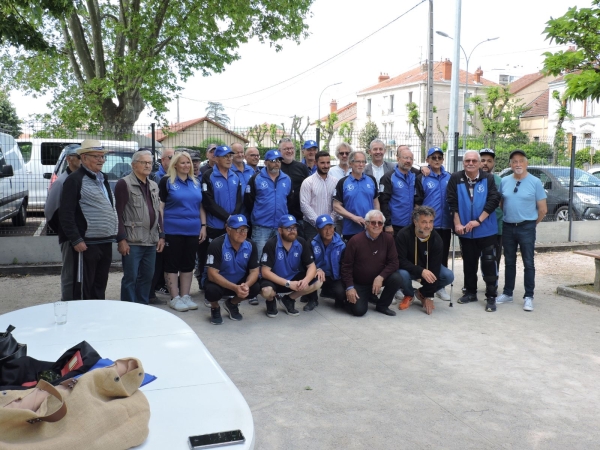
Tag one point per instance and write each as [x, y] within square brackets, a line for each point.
[232, 265]
[284, 263]
[182, 201]
[357, 198]
[224, 192]
[244, 175]
[521, 205]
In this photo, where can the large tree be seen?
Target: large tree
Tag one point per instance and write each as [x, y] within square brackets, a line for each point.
[9, 120]
[578, 27]
[216, 111]
[116, 58]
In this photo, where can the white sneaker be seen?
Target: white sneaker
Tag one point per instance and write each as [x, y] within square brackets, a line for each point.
[178, 304]
[443, 295]
[189, 302]
[398, 296]
[528, 304]
[503, 298]
[207, 304]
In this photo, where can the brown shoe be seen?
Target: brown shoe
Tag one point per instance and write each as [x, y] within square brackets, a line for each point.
[406, 302]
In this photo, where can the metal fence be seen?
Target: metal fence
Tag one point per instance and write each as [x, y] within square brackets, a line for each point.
[41, 150]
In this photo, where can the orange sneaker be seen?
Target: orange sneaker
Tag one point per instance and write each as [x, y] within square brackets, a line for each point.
[406, 302]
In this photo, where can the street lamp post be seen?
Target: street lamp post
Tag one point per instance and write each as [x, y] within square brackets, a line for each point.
[467, 58]
[319, 118]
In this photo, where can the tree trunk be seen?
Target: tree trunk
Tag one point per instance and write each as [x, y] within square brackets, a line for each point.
[120, 119]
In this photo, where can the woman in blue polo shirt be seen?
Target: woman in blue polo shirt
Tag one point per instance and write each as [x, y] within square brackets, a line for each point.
[185, 227]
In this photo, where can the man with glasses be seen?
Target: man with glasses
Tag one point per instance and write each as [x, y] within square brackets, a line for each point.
[524, 206]
[140, 234]
[89, 219]
[488, 162]
[232, 270]
[370, 264]
[253, 158]
[378, 167]
[267, 198]
[240, 168]
[473, 199]
[287, 267]
[355, 195]
[298, 172]
[309, 150]
[165, 160]
[210, 156]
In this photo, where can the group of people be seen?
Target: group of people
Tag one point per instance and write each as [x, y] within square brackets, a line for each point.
[359, 232]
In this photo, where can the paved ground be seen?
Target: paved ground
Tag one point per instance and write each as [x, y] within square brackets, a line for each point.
[459, 379]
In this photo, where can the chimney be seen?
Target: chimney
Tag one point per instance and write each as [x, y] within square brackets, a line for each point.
[447, 70]
[333, 106]
[478, 74]
[383, 77]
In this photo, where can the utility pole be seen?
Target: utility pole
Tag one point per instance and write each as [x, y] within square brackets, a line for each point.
[429, 127]
[453, 122]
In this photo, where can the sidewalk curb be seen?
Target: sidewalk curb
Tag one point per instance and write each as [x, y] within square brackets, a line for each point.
[585, 297]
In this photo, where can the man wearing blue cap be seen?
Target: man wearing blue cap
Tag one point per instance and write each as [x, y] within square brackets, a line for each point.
[328, 250]
[309, 150]
[267, 197]
[287, 266]
[232, 270]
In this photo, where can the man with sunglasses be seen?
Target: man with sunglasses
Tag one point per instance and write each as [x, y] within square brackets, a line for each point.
[343, 169]
[473, 198]
[524, 206]
[309, 150]
[89, 218]
[287, 267]
[165, 161]
[232, 270]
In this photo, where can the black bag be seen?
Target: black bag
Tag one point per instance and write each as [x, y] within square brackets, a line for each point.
[25, 372]
[9, 347]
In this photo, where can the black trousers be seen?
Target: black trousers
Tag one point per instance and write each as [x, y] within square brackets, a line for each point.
[446, 235]
[213, 292]
[96, 265]
[472, 251]
[365, 294]
[211, 233]
[331, 288]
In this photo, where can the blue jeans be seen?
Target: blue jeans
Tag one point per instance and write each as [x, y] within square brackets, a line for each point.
[138, 271]
[522, 235]
[260, 236]
[446, 277]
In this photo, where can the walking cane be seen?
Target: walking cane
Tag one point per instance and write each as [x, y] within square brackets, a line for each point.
[452, 284]
[80, 272]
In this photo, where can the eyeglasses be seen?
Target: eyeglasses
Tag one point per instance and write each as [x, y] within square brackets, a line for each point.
[344, 153]
[517, 187]
[437, 158]
[274, 160]
[252, 156]
[97, 157]
[376, 223]
[359, 162]
[241, 230]
[145, 163]
[228, 156]
[170, 157]
[291, 229]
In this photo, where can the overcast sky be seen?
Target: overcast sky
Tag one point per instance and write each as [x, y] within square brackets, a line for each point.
[338, 24]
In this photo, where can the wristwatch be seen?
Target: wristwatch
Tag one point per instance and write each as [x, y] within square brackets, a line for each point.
[478, 221]
[287, 283]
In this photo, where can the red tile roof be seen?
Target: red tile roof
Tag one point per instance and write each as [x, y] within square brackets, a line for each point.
[526, 80]
[344, 113]
[538, 107]
[182, 126]
[420, 74]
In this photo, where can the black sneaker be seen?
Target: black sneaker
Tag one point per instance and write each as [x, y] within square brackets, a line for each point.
[272, 308]
[312, 304]
[253, 301]
[233, 310]
[215, 316]
[386, 311]
[288, 304]
[162, 290]
[468, 298]
[490, 304]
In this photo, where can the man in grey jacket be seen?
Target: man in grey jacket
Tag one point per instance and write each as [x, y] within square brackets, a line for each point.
[377, 167]
[139, 235]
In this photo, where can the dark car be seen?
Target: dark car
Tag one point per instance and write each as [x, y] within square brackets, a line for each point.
[586, 192]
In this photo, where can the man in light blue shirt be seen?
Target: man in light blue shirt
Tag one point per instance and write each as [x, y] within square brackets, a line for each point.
[524, 206]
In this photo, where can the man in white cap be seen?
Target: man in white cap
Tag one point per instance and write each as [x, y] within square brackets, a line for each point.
[89, 219]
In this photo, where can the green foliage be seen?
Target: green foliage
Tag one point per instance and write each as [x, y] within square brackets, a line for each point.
[560, 135]
[211, 140]
[367, 134]
[415, 119]
[9, 120]
[327, 130]
[258, 133]
[583, 156]
[345, 131]
[118, 58]
[215, 111]
[577, 27]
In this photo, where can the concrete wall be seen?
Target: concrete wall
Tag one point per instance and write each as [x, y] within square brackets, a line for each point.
[45, 249]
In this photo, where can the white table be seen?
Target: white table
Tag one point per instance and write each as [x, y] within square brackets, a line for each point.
[192, 395]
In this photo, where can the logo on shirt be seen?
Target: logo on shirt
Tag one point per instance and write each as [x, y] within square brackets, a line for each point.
[234, 182]
[295, 254]
[227, 256]
[334, 192]
[368, 186]
[317, 250]
[381, 188]
[175, 186]
[280, 255]
[246, 255]
[264, 257]
[218, 185]
[248, 190]
[210, 259]
[480, 188]
[264, 185]
[400, 184]
[283, 184]
[204, 187]
[350, 187]
[430, 184]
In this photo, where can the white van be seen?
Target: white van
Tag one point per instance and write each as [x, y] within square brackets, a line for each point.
[41, 156]
[13, 186]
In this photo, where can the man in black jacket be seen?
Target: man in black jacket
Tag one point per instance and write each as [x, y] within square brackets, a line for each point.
[297, 172]
[419, 249]
[89, 219]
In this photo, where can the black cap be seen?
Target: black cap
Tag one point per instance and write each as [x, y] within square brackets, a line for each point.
[517, 152]
[487, 151]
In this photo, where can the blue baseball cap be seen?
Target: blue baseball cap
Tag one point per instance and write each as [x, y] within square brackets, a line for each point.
[273, 154]
[287, 220]
[323, 220]
[236, 221]
[309, 144]
[433, 150]
[222, 150]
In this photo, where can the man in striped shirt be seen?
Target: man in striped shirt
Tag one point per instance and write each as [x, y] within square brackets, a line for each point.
[316, 195]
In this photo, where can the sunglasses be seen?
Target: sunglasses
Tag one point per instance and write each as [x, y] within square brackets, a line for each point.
[344, 153]
[437, 158]
[517, 187]
[273, 160]
[376, 223]
[471, 160]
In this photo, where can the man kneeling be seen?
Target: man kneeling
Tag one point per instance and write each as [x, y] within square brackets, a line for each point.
[420, 252]
[232, 270]
[287, 265]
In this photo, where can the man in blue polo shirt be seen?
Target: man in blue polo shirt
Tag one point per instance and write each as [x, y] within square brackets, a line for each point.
[328, 250]
[241, 169]
[232, 270]
[355, 195]
[309, 150]
[267, 197]
[287, 266]
[524, 206]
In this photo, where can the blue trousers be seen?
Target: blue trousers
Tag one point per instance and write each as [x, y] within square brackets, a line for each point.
[138, 271]
[445, 278]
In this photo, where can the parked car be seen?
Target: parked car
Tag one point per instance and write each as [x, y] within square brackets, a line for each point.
[595, 171]
[14, 195]
[556, 182]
